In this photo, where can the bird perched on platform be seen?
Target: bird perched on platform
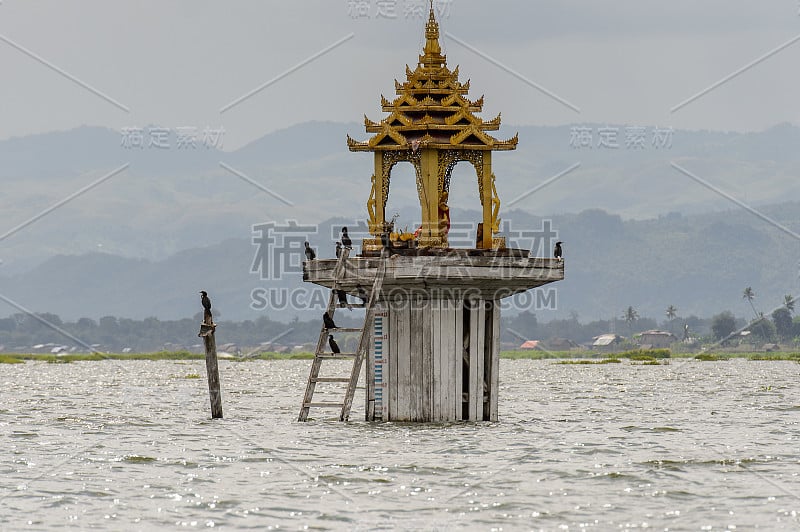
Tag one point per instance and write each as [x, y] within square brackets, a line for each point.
[328, 321]
[557, 253]
[310, 254]
[206, 302]
[341, 295]
[338, 249]
[346, 242]
[334, 345]
[362, 294]
[386, 244]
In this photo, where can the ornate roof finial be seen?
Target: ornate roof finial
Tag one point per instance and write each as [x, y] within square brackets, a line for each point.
[433, 51]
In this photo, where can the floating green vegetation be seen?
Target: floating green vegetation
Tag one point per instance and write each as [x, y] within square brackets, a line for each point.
[10, 359]
[279, 356]
[775, 356]
[160, 355]
[535, 354]
[585, 361]
[192, 376]
[88, 357]
[709, 357]
[646, 354]
[136, 459]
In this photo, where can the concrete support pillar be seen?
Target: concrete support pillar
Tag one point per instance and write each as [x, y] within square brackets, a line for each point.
[436, 359]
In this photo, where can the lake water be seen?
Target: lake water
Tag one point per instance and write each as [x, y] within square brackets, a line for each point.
[130, 446]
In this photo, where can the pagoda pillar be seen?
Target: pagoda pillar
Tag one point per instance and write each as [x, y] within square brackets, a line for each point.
[429, 162]
[378, 225]
[486, 200]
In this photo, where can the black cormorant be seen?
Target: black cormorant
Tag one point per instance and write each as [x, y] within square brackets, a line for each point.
[334, 345]
[346, 242]
[342, 297]
[386, 243]
[328, 321]
[557, 251]
[310, 254]
[205, 301]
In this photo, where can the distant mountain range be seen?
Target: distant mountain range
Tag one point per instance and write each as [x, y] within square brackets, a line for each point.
[701, 264]
[143, 242]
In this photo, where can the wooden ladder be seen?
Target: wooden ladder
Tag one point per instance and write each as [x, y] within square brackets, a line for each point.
[322, 353]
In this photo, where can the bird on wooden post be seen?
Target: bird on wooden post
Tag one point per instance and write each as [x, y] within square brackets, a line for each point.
[328, 321]
[206, 302]
[346, 242]
[334, 345]
[557, 253]
[310, 254]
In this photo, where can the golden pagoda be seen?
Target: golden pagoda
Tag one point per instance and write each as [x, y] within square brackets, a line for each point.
[433, 125]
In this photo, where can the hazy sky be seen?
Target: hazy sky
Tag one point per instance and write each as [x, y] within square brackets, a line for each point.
[179, 63]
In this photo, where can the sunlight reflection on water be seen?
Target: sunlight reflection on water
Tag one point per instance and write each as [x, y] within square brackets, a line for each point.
[130, 445]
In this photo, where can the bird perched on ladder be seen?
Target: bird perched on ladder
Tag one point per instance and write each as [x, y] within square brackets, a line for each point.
[328, 321]
[557, 253]
[338, 249]
[310, 254]
[334, 345]
[342, 297]
[206, 302]
[346, 242]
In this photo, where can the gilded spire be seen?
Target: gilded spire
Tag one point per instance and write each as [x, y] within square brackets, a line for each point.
[432, 57]
[432, 109]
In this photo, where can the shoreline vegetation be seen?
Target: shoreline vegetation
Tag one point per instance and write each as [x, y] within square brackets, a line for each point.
[635, 357]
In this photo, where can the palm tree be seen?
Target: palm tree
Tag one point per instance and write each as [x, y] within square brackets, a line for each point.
[749, 295]
[788, 302]
[630, 316]
[672, 313]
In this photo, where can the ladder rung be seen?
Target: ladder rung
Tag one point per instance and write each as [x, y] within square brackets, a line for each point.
[352, 305]
[335, 355]
[331, 379]
[345, 329]
[323, 405]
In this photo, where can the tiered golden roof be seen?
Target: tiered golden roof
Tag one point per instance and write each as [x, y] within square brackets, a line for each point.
[432, 110]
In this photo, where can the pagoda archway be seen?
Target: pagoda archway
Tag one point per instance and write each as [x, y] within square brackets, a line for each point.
[404, 180]
[461, 188]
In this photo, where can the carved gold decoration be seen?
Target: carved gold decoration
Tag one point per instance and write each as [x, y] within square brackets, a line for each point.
[373, 218]
[495, 207]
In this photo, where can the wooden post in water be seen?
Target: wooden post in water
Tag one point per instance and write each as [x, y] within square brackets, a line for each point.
[207, 329]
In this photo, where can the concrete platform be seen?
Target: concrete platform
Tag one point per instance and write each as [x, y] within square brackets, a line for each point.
[457, 274]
